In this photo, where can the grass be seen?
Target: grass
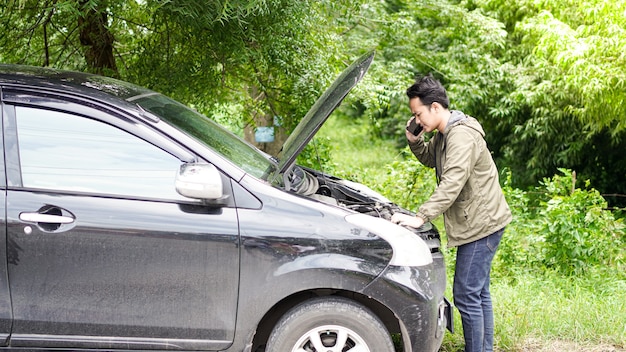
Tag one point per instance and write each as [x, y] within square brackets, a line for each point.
[585, 310]
[534, 311]
[355, 154]
[543, 311]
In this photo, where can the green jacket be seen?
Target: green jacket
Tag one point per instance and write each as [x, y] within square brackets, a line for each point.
[468, 192]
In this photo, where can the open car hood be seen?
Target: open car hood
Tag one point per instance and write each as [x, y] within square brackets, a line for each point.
[323, 107]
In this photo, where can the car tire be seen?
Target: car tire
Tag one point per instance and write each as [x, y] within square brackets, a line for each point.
[329, 324]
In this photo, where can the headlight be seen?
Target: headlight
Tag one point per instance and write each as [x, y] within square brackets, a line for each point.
[408, 248]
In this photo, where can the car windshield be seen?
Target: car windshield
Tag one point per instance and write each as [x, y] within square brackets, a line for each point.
[224, 142]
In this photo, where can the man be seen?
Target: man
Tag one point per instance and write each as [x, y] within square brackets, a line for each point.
[468, 195]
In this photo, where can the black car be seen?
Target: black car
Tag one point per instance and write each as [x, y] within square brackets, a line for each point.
[134, 223]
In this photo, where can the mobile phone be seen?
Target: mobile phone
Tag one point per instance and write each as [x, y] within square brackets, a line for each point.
[414, 127]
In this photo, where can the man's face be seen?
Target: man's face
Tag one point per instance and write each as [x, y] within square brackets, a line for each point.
[424, 114]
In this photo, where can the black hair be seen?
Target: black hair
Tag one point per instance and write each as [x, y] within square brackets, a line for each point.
[428, 90]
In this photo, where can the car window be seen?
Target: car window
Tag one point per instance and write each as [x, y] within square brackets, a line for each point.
[65, 152]
[216, 137]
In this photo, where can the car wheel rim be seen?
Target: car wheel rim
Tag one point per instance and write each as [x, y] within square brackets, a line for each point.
[330, 338]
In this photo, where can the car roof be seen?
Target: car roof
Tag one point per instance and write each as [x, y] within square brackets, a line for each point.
[68, 81]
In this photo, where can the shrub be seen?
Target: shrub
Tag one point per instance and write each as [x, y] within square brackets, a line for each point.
[317, 155]
[579, 232]
[518, 250]
[571, 231]
[408, 183]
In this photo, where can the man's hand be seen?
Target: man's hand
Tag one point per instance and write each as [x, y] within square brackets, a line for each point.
[410, 136]
[407, 220]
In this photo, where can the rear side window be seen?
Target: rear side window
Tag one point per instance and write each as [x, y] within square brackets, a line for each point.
[65, 152]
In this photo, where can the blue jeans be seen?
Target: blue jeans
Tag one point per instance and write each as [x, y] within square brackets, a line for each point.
[471, 291]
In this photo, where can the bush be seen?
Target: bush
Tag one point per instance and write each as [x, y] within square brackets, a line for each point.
[408, 183]
[571, 230]
[317, 155]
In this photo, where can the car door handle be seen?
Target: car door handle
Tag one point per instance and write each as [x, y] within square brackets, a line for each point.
[46, 218]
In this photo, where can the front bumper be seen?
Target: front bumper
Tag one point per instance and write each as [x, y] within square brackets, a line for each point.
[416, 297]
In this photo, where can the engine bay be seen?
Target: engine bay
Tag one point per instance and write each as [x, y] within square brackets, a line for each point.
[354, 196]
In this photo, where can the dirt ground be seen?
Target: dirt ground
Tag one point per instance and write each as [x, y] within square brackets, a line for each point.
[564, 346]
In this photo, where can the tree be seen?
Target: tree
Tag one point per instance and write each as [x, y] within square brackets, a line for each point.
[269, 60]
[546, 79]
[566, 105]
[265, 59]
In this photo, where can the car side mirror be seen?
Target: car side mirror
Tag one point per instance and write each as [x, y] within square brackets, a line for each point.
[199, 181]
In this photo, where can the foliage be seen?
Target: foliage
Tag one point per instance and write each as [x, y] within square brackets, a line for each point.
[264, 58]
[237, 52]
[416, 38]
[563, 105]
[570, 232]
[579, 233]
[545, 78]
[532, 301]
[317, 155]
[344, 147]
[408, 182]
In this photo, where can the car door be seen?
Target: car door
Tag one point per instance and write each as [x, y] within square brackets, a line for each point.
[106, 253]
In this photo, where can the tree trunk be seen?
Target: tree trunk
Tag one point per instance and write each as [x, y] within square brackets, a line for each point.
[95, 35]
[271, 148]
[264, 119]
